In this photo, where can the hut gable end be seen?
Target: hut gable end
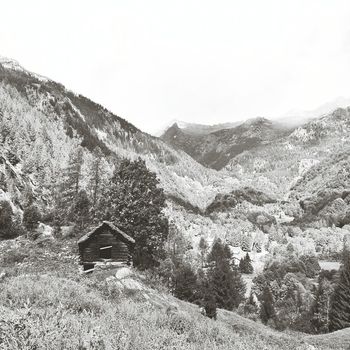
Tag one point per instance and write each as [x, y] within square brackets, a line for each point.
[106, 243]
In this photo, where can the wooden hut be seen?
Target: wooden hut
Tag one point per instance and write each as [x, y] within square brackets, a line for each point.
[105, 245]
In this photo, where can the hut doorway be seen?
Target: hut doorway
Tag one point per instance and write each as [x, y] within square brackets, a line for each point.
[106, 252]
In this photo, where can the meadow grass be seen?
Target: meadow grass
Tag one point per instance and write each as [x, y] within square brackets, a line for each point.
[54, 307]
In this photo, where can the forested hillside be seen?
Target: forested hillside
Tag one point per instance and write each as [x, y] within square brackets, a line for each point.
[43, 123]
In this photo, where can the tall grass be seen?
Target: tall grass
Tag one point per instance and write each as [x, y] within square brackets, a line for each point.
[46, 304]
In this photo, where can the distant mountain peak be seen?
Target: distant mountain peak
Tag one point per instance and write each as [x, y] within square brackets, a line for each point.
[257, 121]
[10, 63]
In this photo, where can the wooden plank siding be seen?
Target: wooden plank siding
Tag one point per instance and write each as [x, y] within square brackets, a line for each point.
[90, 250]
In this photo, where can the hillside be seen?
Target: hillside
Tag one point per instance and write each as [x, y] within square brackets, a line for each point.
[42, 123]
[52, 306]
[285, 160]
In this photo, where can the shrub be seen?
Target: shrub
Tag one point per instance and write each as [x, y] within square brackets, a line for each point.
[9, 225]
[31, 218]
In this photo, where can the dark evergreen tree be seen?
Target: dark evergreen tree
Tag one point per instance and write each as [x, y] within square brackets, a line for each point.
[340, 304]
[68, 188]
[134, 201]
[320, 309]
[239, 287]
[6, 220]
[96, 169]
[245, 265]
[218, 253]
[186, 283]
[80, 210]
[10, 225]
[31, 217]
[73, 171]
[226, 282]
[267, 309]
[209, 302]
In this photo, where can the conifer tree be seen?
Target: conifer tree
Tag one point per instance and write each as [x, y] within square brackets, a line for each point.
[209, 301]
[96, 169]
[245, 265]
[6, 220]
[69, 188]
[186, 283]
[267, 309]
[225, 281]
[134, 201]
[239, 287]
[73, 171]
[320, 310]
[80, 210]
[340, 304]
[31, 217]
[218, 253]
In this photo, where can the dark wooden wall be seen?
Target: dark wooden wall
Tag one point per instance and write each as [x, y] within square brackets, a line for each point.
[90, 250]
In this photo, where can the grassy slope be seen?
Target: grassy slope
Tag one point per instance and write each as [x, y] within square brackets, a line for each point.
[46, 304]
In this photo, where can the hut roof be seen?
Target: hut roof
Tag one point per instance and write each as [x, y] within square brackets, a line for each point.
[112, 227]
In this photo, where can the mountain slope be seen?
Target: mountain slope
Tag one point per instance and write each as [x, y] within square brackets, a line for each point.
[43, 122]
[216, 149]
[198, 129]
[282, 162]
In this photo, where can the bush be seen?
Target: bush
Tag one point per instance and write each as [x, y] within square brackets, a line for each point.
[9, 224]
[31, 218]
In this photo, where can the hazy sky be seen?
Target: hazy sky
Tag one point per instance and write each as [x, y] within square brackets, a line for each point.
[197, 61]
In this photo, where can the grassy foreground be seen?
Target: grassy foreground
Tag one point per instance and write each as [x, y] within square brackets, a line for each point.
[46, 304]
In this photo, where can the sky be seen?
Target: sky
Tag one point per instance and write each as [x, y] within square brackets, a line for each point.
[207, 62]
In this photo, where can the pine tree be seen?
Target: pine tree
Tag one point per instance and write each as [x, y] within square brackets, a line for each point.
[80, 210]
[68, 188]
[95, 180]
[321, 307]
[245, 265]
[225, 281]
[134, 201]
[209, 301]
[340, 304]
[239, 287]
[6, 220]
[31, 217]
[73, 171]
[267, 309]
[185, 283]
[219, 252]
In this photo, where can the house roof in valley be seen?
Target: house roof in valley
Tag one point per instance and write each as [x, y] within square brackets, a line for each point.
[112, 227]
